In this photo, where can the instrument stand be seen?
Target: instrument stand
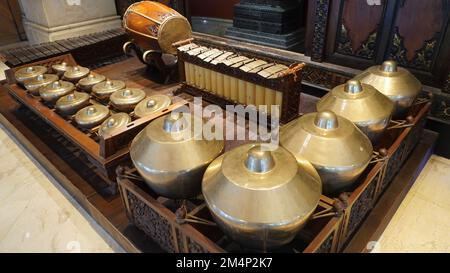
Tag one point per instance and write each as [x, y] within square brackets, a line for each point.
[153, 59]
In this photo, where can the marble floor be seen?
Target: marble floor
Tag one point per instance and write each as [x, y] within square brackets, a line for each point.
[36, 214]
[422, 222]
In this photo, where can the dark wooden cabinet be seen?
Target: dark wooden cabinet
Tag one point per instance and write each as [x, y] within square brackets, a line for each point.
[179, 5]
[362, 33]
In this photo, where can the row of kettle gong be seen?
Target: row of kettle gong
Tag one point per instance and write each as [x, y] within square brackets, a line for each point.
[262, 195]
[62, 95]
[373, 97]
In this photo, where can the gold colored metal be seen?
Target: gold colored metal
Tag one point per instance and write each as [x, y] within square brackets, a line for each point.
[260, 198]
[118, 120]
[332, 144]
[126, 99]
[104, 89]
[395, 82]
[88, 82]
[171, 156]
[362, 104]
[29, 72]
[76, 73]
[34, 84]
[60, 69]
[92, 115]
[151, 105]
[52, 92]
[70, 104]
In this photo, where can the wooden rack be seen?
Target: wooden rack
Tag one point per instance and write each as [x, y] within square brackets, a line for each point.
[163, 220]
[107, 152]
[157, 216]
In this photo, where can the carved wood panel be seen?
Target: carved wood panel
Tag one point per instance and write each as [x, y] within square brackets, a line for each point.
[358, 29]
[355, 32]
[363, 33]
[417, 33]
[446, 88]
[318, 12]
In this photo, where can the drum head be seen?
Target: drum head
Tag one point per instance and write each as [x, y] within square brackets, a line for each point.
[174, 29]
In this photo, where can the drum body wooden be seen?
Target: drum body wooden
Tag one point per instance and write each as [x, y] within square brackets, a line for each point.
[153, 25]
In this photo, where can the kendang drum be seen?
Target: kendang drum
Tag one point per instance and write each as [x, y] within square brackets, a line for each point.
[154, 26]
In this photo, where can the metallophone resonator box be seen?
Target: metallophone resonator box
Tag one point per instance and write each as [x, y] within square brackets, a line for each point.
[225, 77]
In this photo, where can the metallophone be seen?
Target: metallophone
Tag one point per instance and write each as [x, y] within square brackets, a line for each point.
[225, 77]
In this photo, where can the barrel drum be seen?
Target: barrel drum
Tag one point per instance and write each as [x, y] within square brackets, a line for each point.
[154, 26]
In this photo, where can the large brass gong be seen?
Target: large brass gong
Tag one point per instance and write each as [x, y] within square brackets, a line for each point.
[332, 144]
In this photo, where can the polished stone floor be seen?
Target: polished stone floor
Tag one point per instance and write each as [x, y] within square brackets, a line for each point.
[422, 222]
[36, 214]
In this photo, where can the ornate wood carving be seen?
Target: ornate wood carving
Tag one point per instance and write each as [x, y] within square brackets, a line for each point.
[361, 207]
[152, 223]
[357, 33]
[323, 78]
[327, 245]
[441, 107]
[366, 50]
[194, 247]
[413, 138]
[446, 88]
[320, 28]
[423, 57]
[417, 32]
[418, 19]
[401, 154]
[393, 166]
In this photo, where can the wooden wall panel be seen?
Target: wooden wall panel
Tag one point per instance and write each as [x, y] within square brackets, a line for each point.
[359, 34]
[353, 32]
[358, 28]
[213, 8]
[418, 30]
